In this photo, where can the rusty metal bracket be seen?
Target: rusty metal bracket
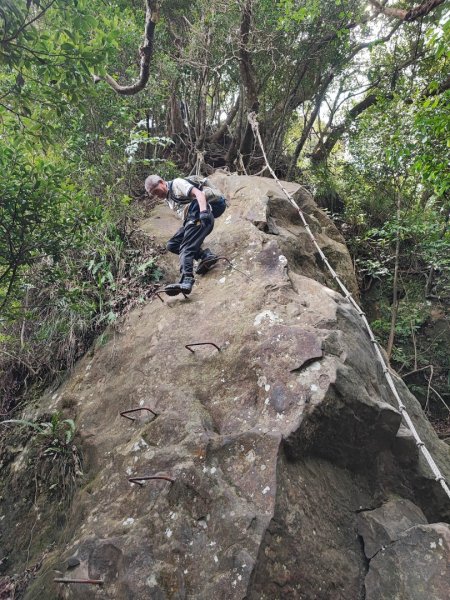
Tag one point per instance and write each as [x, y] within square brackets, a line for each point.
[157, 293]
[90, 581]
[188, 346]
[233, 267]
[124, 413]
[186, 297]
[137, 480]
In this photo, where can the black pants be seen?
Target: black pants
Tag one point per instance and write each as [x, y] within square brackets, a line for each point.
[187, 242]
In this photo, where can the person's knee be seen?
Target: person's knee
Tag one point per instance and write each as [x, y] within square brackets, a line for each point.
[173, 247]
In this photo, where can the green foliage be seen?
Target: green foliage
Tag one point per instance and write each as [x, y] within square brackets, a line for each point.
[54, 457]
[296, 12]
[398, 150]
[60, 432]
[68, 262]
[432, 126]
[48, 55]
[41, 215]
[150, 269]
[144, 149]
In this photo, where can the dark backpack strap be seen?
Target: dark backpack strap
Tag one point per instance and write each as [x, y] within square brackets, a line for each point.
[170, 191]
[199, 186]
[183, 200]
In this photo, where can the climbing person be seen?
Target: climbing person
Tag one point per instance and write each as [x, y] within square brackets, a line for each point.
[202, 203]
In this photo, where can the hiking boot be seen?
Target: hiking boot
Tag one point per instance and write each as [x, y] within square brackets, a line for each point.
[208, 260]
[182, 287]
[172, 290]
[186, 284]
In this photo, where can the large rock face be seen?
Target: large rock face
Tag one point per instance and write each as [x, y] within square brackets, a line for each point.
[277, 445]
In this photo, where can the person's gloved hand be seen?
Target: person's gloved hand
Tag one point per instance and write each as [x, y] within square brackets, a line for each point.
[205, 217]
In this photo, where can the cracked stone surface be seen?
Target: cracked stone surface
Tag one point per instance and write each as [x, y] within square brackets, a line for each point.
[277, 443]
[382, 526]
[415, 566]
[408, 557]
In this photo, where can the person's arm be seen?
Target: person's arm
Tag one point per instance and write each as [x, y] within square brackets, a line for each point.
[201, 199]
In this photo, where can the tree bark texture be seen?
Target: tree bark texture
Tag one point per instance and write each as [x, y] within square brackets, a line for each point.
[248, 80]
[228, 121]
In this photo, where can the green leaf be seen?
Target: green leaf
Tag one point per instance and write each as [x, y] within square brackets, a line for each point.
[37, 426]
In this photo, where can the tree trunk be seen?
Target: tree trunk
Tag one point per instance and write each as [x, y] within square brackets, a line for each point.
[230, 118]
[235, 142]
[309, 125]
[248, 80]
[175, 124]
[412, 14]
[430, 277]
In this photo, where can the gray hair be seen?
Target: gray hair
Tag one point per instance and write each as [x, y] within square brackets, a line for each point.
[151, 182]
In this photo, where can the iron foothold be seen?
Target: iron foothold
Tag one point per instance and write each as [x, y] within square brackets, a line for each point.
[188, 346]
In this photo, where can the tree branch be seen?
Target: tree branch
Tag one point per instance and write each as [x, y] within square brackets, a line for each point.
[407, 15]
[321, 152]
[323, 148]
[146, 51]
[305, 133]
[230, 118]
[442, 87]
[27, 24]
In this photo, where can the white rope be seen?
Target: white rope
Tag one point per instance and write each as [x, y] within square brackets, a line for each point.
[241, 163]
[432, 464]
[200, 158]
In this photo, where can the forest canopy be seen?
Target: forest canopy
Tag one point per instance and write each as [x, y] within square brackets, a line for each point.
[352, 99]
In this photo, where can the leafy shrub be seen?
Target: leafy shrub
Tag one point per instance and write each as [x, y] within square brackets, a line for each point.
[68, 267]
[55, 459]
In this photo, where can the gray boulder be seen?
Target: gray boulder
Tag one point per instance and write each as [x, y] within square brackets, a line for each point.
[269, 451]
[413, 567]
